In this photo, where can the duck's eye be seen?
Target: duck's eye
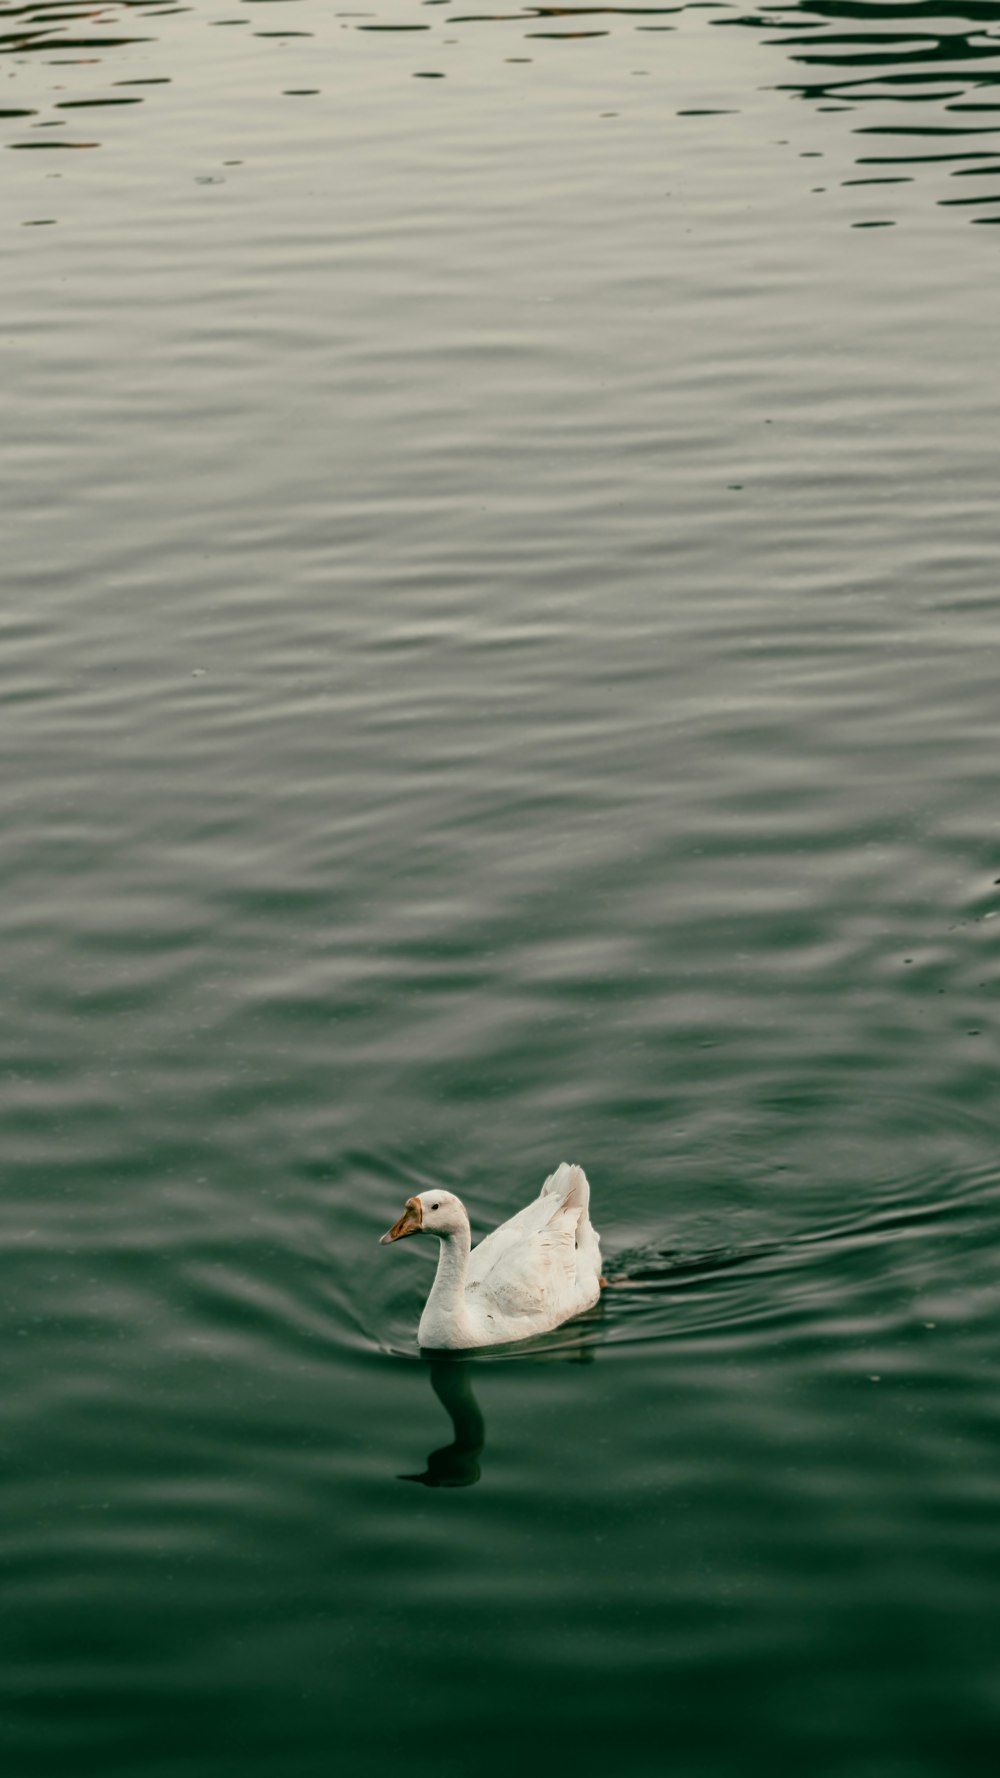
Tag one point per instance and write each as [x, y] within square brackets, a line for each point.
[435, 1206]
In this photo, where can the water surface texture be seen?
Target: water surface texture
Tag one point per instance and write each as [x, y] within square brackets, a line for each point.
[499, 663]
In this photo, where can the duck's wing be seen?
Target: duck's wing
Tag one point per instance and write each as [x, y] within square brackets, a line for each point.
[541, 1235]
[536, 1274]
[567, 1185]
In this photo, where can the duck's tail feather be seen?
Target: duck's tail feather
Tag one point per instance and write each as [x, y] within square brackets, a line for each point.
[569, 1190]
[569, 1187]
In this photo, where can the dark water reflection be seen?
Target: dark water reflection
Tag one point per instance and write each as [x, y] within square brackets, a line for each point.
[75, 25]
[937, 63]
[914, 81]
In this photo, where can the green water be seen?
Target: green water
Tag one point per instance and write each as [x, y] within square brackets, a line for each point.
[499, 664]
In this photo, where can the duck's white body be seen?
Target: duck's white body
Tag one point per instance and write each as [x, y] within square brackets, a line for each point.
[528, 1276]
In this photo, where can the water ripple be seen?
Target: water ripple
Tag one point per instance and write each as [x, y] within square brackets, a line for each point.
[862, 60]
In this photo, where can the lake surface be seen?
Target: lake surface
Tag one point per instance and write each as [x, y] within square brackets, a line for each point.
[500, 663]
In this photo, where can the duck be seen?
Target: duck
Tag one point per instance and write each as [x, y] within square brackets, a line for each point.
[537, 1270]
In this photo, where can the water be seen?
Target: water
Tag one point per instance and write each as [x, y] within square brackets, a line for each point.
[499, 660]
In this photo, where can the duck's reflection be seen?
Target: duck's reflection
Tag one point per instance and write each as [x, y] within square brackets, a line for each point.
[455, 1465]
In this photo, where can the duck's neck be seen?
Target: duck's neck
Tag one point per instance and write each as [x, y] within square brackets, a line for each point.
[443, 1322]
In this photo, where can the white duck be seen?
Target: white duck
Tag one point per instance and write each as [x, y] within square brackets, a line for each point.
[531, 1274]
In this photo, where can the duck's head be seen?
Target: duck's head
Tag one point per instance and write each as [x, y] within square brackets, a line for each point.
[432, 1213]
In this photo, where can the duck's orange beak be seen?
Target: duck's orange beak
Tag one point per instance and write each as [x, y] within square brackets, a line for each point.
[410, 1223]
